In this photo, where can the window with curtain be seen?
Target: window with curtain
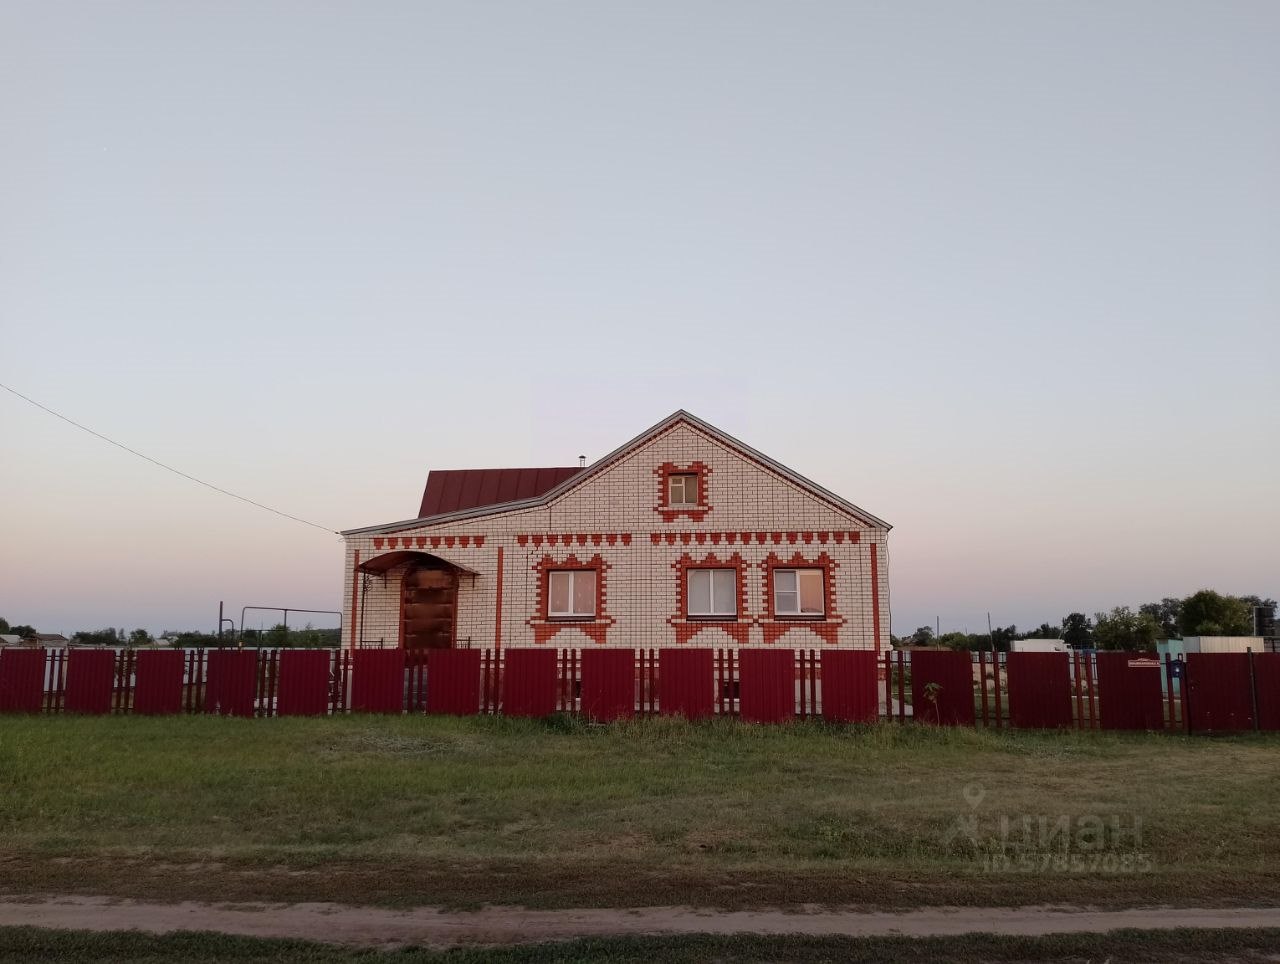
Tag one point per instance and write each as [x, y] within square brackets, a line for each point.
[712, 592]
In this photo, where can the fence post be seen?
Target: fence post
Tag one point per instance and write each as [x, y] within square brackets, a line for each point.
[1253, 689]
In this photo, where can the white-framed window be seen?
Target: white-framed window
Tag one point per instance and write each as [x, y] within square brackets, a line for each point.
[682, 489]
[798, 592]
[712, 592]
[571, 592]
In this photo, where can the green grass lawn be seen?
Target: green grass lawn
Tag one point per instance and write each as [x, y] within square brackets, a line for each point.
[428, 810]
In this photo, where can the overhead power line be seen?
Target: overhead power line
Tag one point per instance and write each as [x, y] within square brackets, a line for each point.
[167, 468]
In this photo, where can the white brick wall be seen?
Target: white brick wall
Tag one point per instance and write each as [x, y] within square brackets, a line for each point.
[641, 583]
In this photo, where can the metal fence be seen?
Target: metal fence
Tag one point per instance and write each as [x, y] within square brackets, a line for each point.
[1087, 691]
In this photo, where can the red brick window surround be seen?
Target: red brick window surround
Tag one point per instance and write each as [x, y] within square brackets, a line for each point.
[826, 625]
[596, 624]
[687, 626]
[680, 480]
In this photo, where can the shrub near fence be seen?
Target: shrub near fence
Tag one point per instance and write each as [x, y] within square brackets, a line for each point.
[1109, 691]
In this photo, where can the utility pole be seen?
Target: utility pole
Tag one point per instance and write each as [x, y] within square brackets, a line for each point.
[990, 637]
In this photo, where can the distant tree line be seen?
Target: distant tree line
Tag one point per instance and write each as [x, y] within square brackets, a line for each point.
[277, 637]
[1205, 613]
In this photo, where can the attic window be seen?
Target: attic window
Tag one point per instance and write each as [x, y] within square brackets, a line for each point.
[684, 489]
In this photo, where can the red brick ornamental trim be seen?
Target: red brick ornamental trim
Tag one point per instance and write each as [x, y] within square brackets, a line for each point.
[827, 625]
[669, 512]
[686, 626]
[566, 539]
[546, 626]
[790, 537]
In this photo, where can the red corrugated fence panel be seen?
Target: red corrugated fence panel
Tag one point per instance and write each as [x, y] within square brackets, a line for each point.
[91, 674]
[21, 680]
[686, 683]
[942, 687]
[767, 685]
[302, 688]
[157, 687]
[453, 681]
[850, 691]
[1039, 690]
[529, 682]
[1218, 695]
[377, 681]
[1266, 674]
[232, 682]
[1130, 697]
[608, 684]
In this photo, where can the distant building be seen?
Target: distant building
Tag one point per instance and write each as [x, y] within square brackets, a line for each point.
[53, 640]
[1039, 646]
[6, 639]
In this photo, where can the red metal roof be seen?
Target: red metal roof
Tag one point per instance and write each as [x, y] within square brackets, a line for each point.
[452, 490]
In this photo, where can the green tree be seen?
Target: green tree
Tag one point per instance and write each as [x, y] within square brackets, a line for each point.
[1165, 613]
[22, 630]
[1077, 631]
[1122, 628]
[922, 636]
[99, 637]
[1209, 613]
[140, 637]
[1044, 631]
[4, 625]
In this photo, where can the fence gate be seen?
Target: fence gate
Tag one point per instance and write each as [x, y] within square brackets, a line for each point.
[942, 687]
[21, 680]
[158, 686]
[529, 683]
[608, 684]
[849, 686]
[767, 688]
[90, 676]
[1039, 690]
[453, 681]
[302, 688]
[686, 683]
[1217, 691]
[378, 680]
[1130, 696]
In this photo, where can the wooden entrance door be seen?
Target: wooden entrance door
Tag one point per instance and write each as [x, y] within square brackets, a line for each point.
[430, 603]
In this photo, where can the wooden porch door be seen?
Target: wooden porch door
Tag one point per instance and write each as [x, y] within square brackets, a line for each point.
[429, 606]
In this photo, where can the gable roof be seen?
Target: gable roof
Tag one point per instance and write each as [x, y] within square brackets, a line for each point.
[581, 476]
[454, 490]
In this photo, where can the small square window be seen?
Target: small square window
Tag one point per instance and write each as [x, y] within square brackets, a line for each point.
[712, 592]
[682, 489]
[798, 592]
[571, 592]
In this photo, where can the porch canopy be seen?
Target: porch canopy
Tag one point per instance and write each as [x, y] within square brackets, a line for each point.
[378, 565]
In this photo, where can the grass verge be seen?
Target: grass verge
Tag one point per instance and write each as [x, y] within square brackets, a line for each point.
[460, 812]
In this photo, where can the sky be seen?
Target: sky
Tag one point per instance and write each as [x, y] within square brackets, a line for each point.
[1005, 274]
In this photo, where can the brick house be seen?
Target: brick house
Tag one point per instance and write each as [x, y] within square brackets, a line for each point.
[682, 536]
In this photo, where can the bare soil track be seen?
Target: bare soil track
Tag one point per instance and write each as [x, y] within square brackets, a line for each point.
[432, 927]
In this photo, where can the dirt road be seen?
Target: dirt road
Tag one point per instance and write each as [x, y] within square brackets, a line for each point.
[376, 926]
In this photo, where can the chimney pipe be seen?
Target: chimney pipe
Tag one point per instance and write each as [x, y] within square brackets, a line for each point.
[582, 461]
